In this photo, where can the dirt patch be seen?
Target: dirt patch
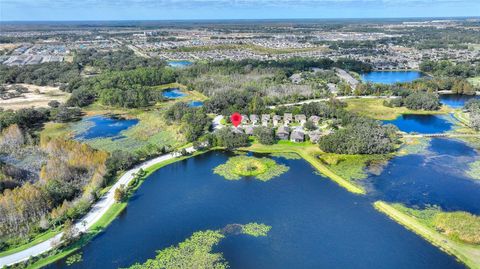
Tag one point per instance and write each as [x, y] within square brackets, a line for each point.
[37, 96]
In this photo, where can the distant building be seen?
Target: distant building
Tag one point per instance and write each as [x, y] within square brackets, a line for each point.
[237, 130]
[245, 119]
[283, 132]
[254, 119]
[287, 118]
[314, 119]
[298, 135]
[315, 136]
[265, 119]
[249, 130]
[300, 118]
[276, 120]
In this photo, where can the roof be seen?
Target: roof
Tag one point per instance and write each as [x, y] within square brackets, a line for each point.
[288, 116]
[283, 129]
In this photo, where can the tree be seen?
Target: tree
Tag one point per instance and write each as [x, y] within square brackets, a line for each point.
[264, 135]
[70, 233]
[309, 125]
[54, 104]
[230, 140]
[422, 100]
[120, 193]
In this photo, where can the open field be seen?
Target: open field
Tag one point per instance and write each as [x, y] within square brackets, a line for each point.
[374, 108]
[467, 253]
[38, 96]
[310, 153]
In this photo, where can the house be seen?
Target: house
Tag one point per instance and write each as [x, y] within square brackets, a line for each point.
[314, 119]
[315, 136]
[276, 120]
[298, 135]
[245, 119]
[237, 130]
[283, 132]
[301, 118]
[287, 118]
[249, 130]
[265, 119]
[254, 119]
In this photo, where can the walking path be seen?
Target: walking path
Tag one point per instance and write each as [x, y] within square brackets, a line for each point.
[96, 212]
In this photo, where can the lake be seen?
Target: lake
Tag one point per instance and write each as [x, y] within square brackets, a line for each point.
[102, 127]
[423, 124]
[456, 100]
[391, 77]
[173, 93]
[436, 177]
[179, 64]
[315, 223]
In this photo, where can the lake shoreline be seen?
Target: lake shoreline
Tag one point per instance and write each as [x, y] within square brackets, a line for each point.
[467, 254]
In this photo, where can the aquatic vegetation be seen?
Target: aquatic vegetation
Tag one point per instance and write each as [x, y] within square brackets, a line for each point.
[474, 170]
[354, 167]
[256, 229]
[197, 251]
[414, 145]
[74, 259]
[262, 169]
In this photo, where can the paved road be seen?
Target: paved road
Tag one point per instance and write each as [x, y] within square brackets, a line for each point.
[95, 213]
[216, 123]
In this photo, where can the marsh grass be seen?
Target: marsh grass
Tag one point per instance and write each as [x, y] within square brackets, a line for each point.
[262, 169]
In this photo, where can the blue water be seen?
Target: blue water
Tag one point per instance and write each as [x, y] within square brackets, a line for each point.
[315, 223]
[195, 104]
[179, 64]
[434, 178]
[173, 93]
[456, 100]
[391, 77]
[103, 127]
[422, 124]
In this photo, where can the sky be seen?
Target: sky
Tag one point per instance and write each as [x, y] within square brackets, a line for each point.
[74, 10]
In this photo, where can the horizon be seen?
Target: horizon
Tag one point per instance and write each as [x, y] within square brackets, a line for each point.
[183, 10]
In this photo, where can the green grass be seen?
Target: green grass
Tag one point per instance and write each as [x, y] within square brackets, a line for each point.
[423, 223]
[474, 170]
[353, 167]
[309, 152]
[375, 109]
[38, 239]
[256, 229]
[262, 169]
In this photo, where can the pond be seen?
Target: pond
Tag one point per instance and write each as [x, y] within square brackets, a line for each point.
[456, 100]
[101, 127]
[391, 77]
[195, 104]
[173, 93]
[179, 64]
[423, 124]
[315, 223]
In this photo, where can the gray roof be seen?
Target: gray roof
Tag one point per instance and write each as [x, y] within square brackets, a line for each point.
[283, 129]
[288, 116]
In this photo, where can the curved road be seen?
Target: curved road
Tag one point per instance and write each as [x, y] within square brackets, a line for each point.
[95, 213]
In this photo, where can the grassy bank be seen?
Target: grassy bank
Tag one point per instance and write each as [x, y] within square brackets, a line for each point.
[310, 153]
[38, 239]
[374, 108]
[105, 220]
[467, 253]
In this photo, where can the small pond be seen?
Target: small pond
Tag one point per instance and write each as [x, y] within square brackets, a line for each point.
[423, 124]
[315, 223]
[391, 77]
[195, 104]
[179, 64]
[173, 93]
[102, 127]
[456, 100]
